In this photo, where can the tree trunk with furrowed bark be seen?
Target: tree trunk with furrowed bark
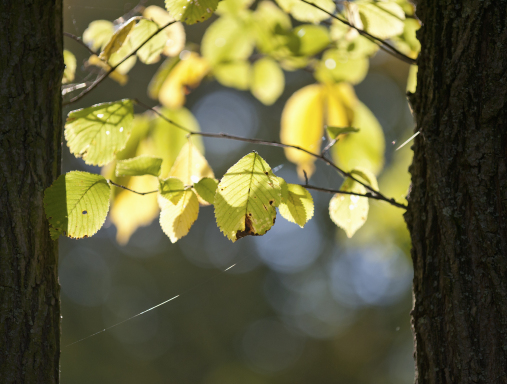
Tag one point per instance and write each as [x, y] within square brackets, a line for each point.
[457, 212]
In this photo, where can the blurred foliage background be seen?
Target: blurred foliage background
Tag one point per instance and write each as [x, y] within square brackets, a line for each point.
[300, 305]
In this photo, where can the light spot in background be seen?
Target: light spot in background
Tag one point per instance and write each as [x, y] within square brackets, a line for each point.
[270, 346]
[145, 241]
[225, 111]
[374, 275]
[85, 277]
[287, 247]
[184, 55]
[330, 64]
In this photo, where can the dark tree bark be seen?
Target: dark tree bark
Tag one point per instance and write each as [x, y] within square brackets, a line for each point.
[31, 68]
[457, 212]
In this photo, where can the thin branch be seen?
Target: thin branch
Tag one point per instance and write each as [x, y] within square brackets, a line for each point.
[381, 43]
[131, 190]
[80, 41]
[377, 194]
[113, 68]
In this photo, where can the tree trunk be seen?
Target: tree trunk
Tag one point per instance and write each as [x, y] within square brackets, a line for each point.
[31, 67]
[457, 213]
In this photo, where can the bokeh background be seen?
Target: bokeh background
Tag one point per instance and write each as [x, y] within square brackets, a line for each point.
[300, 305]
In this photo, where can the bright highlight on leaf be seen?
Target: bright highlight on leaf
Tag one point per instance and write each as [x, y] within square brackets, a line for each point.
[150, 52]
[190, 166]
[191, 11]
[382, 19]
[206, 188]
[138, 166]
[174, 34]
[350, 212]
[297, 204]
[118, 39]
[176, 219]
[268, 80]
[76, 204]
[70, 66]
[246, 198]
[97, 133]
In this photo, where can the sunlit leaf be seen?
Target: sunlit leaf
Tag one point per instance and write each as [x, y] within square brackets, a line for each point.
[227, 39]
[333, 132]
[302, 125]
[190, 166]
[118, 39]
[171, 189]
[363, 149]
[305, 12]
[98, 33]
[70, 66]
[76, 204]
[246, 198]
[382, 19]
[131, 211]
[206, 188]
[119, 74]
[271, 29]
[312, 39]
[408, 42]
[98, 132]
[412, 79]
[176, 219]
[138, 166]
[268, 80]
[336, 66]
[191, 11]
[349, 41]
[186, 74]
[232, 7]
[297, 204]
[234, 74]
[145, 30]
[175, 33]
[159, 77]
[336, 105]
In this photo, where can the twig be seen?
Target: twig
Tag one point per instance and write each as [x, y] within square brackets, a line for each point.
[379, 196]
[131, 190]
[80, 41]
[381, 43]
[113, 68]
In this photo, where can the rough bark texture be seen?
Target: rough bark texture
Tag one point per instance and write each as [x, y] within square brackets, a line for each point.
[31, 68]
[457, 212]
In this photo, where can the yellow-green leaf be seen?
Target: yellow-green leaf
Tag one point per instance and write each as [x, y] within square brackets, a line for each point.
[312, 39]
[70, 66]
[206, 188]
[246, 198]
[304, 12]
[190, 166]
[98, 132]
[138, 166]
[192, 11]
[161, 75]
[334, 132]
[233, 74]
[336, 66]
[412, 79]
[175, 33]
[268, 80]
[176, 219]
[171, 189]
[118, 39]
[297, 204]
[98, 33]
[382, 19]
[150, 52]
[232, 7]
[76, 204]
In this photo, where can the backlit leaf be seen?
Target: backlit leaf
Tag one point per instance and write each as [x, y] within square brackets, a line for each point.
[382, 19]
[118, 39]
[268, 80]
[150, 52]
[98, 33]
[336, 66]
[302, 125]
[206, 188]
[333, 132]
[171, 189]
[232, 7]
[98, 132]
[190, 166]
[176, 219]
[246, 198]
[70, 66]
[305, 12]
[312, 39]
[138, 166]
[297, 204]
[118, 74]
[234, 74]
[131, 211]
[76, 204]
[175, 33]
[161, 75]
[412, 79]
[191, 11]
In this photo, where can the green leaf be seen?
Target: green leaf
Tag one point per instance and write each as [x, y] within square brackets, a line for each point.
[206, 188]
[192, 11]
[159, 77]
[382, 19]
[337, 65]
[246, 198]
[171, 189]
[70, 66]
[151, 51]
[349, 212]
[333, 132]
[366, 176]
[98, 132]
[232, 7]
[305, 12]
[76, 204]
[98, 33]
[176, 219]
[268, 80]
[234, 74]
[297, 203]
[312, 39]
[118, 39]
[138, 166]
[412, 79]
